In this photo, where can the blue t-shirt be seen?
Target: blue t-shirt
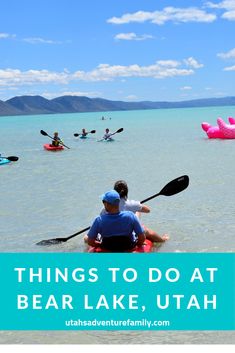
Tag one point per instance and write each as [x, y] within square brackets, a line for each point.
[118, 224]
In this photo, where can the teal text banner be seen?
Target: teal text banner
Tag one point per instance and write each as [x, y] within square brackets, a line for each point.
[55, 291]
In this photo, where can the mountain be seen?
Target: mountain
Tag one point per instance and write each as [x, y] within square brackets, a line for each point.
[29, 105]
[34, 105]
[7, 109]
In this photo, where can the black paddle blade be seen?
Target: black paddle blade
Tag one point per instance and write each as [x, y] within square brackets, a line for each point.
[76, 135]
[43, 133]
[12, 158]
[119, 130]
[175, 186]
[93, 131]
[51, 241]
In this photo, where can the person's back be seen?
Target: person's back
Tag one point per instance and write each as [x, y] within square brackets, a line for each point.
[136, 207]
[119, 231]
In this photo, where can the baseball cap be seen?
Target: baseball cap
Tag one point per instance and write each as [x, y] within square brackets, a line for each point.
[111, 197]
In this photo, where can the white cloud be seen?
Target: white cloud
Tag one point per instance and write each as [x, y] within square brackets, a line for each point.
[186, 88]
[227, 5]
[7, 35]
[191, 62]
[37, 40]
[132, 97]
[51, 95]
[160, 69]
[103, 72]
[229, 55]
[230, 68]
[177, 15]
[15, 77]
[132, 36]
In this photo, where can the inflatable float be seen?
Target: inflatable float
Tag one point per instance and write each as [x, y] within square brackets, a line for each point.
[222, 130]
[227, 130]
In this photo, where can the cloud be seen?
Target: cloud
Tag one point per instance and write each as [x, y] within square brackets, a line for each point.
[51, 95]
[132, 36]
[227, 5]
[7, 35]
[173, 14]
[104, 72]
[186, 88]
[16, 77]
[132, 97]
[230, 68]
[37, 40]
[191, 62]
[160, 69]
[229, 55]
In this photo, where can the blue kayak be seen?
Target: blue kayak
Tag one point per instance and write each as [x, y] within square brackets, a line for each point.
[4, 161]
[110, 139]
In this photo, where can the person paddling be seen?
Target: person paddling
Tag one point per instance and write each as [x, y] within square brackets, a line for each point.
[115, 231]
[84, 133]
[136, 207]
[107, 134]
[56, 140]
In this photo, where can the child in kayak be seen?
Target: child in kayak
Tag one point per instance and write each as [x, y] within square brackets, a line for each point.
[56, 140]
[136, 207]
[107, 134]
[84, 133]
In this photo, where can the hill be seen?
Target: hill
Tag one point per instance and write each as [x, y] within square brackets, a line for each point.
[29, 105]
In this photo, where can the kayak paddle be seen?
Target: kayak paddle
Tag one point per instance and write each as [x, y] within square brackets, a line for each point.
[46, 134]
[173, 187]
[117, 132]
[89, 132]
[11, 158]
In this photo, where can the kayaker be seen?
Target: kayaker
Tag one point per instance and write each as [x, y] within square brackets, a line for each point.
[135, 206]
[56, 140]
[107, 134]
[115, 231]
[84, 133]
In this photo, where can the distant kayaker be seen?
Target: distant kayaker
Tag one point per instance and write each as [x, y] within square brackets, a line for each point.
[115, 231]
[107, 134]
[84, 133]
[135, 206]
[56, 140]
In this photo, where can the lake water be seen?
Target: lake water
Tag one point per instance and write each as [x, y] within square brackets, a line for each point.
[46, 195]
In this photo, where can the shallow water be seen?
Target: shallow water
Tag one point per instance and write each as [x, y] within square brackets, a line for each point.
[47, 195]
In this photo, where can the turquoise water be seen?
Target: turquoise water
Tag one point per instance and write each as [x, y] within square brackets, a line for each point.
[47, 195]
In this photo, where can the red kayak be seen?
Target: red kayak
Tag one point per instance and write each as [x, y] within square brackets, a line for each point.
[49, 147]
[144, 248]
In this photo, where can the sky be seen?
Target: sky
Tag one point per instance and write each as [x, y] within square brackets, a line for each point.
[129, 50]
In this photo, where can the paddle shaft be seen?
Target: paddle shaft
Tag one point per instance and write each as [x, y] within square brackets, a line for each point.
[173, 187]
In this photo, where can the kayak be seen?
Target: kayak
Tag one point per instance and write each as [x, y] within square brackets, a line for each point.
[83, 137]
[107, 140]
[4, 161]
[49, 147]
[138, 249]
